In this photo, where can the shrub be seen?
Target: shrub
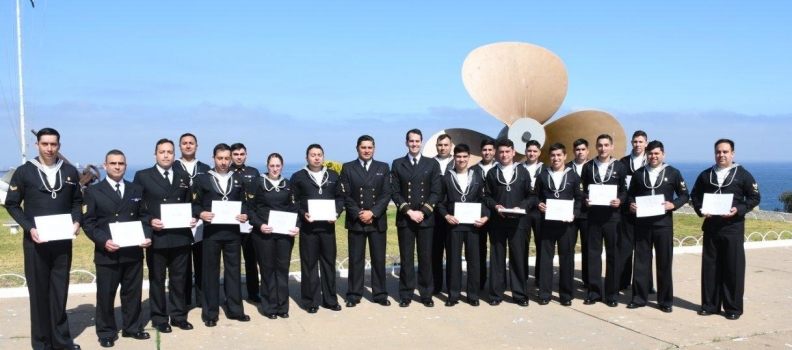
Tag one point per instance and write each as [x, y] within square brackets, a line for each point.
[786, 198]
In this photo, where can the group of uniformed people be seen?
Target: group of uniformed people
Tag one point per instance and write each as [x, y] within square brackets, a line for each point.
[508, 201]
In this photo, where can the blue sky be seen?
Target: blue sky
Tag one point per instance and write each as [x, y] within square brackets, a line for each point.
[279, 76]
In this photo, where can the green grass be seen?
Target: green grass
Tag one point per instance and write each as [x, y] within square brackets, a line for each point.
[11, 256]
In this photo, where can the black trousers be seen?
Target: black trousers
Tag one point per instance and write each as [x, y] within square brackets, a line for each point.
[194, 275]
[626, 250]
[562, 235]
[357, 264]
[318, 255]
[483, 233]
[408, 238]
[454, 242]
[175, 262]
[47, 268]
[129, 276]
[251, 265]
[274, 255]
[232, 278]
[438, 250]
[581, 228]
[514, 238]
[723, 270]
[533, 224]
[662, 240]
[607, 232]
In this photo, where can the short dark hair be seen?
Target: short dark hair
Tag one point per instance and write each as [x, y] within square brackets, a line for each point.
[654, 144]
[274, 155]
[47, 131]
[504, 142]
[442, 137]
[161, 141]
[187, 134]
[220, 148]
[461, 148]
[730, 142]
[579, 142]
[312, 146]
[533, 143]
[557, 146]
[487, 142]
[605, 136]
[365, 138]
[114, 152]
[237, 146]
[413, 131]
[639, 133]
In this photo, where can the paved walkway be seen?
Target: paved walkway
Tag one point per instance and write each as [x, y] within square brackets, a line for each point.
[767, 322]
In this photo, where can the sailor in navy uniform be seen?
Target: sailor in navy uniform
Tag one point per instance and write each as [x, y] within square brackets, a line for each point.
[462, 185]
[416, 191]
[508, 186]
[581, 152]
[532, 217]
[367, 193]
[46, 186]
[250, 175]
[632, 162]
[603, 223]
[446, 161]
[655, 178]
[723, 259]
[115, 200]
[482, 167]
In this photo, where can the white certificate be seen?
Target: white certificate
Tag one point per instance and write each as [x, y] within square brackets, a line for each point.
[602, 194]
[650, 206]
[717, 204]
[225, 212]
[245, 227]
[127, 234]
[560, 210]
[282, 221]
[178, 215]
[54, 227]
[467, 213]
[512, 211]
[322, 209]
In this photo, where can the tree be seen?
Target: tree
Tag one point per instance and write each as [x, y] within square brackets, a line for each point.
[786, 198]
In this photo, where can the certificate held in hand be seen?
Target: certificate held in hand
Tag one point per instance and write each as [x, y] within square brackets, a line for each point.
[602, 194]
[54, 227]
[127, 234]
[560, 210]
[650, 206]
[225, 212]
[467, 213]
[322, 209]
[717, 204]
[176, 215]
[282, 221]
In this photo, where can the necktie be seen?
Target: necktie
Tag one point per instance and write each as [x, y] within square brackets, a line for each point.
[118, 190]
[415, 161]
[166, 176]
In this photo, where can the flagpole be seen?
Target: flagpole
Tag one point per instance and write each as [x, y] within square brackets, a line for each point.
[23, 142]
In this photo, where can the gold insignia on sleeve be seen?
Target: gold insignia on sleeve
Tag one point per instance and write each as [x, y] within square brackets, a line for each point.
[13, 188]
[194, 196]
[755, 187]
[251, 196]
[85, 208]
[581, 186]
[235, 181]
[68, 178]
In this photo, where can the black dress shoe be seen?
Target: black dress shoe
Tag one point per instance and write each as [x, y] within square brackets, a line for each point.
[566, 302]
[210, 323]
[544, 301]
[404, 303]
[351, 303]
[474, 303]
[107, 342]
[731, 316]
[590, 301]
[428, 302]
[312, 310]
[612, 303]
[633, 305]
[72, 347]
[183, 324]
[271, 316]
[449, 303]
[240, 318]
[283, 314]
[494, 302]
[335, 307]
[140, 335]
[652, 291]
[703, 312]
[383, 302]
[163, 327]
[666, 309]
[523, 302]
[254, 299]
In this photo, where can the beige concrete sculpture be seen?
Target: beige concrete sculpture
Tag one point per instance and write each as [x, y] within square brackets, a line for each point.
[523, 85]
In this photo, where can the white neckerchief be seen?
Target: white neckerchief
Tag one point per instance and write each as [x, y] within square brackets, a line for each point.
[637, 163]
[189, 166]
[113, 185]
[533, 170]
[462, 179]
[508, 171]
[557, 180]
[222, 182]
[653, 173]
[578, 168]
[485, 168]
[276, 184]
[48, 174]
[318, 177]
[443, 163]
[603, 169]
[462, 183]
[721, 173]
